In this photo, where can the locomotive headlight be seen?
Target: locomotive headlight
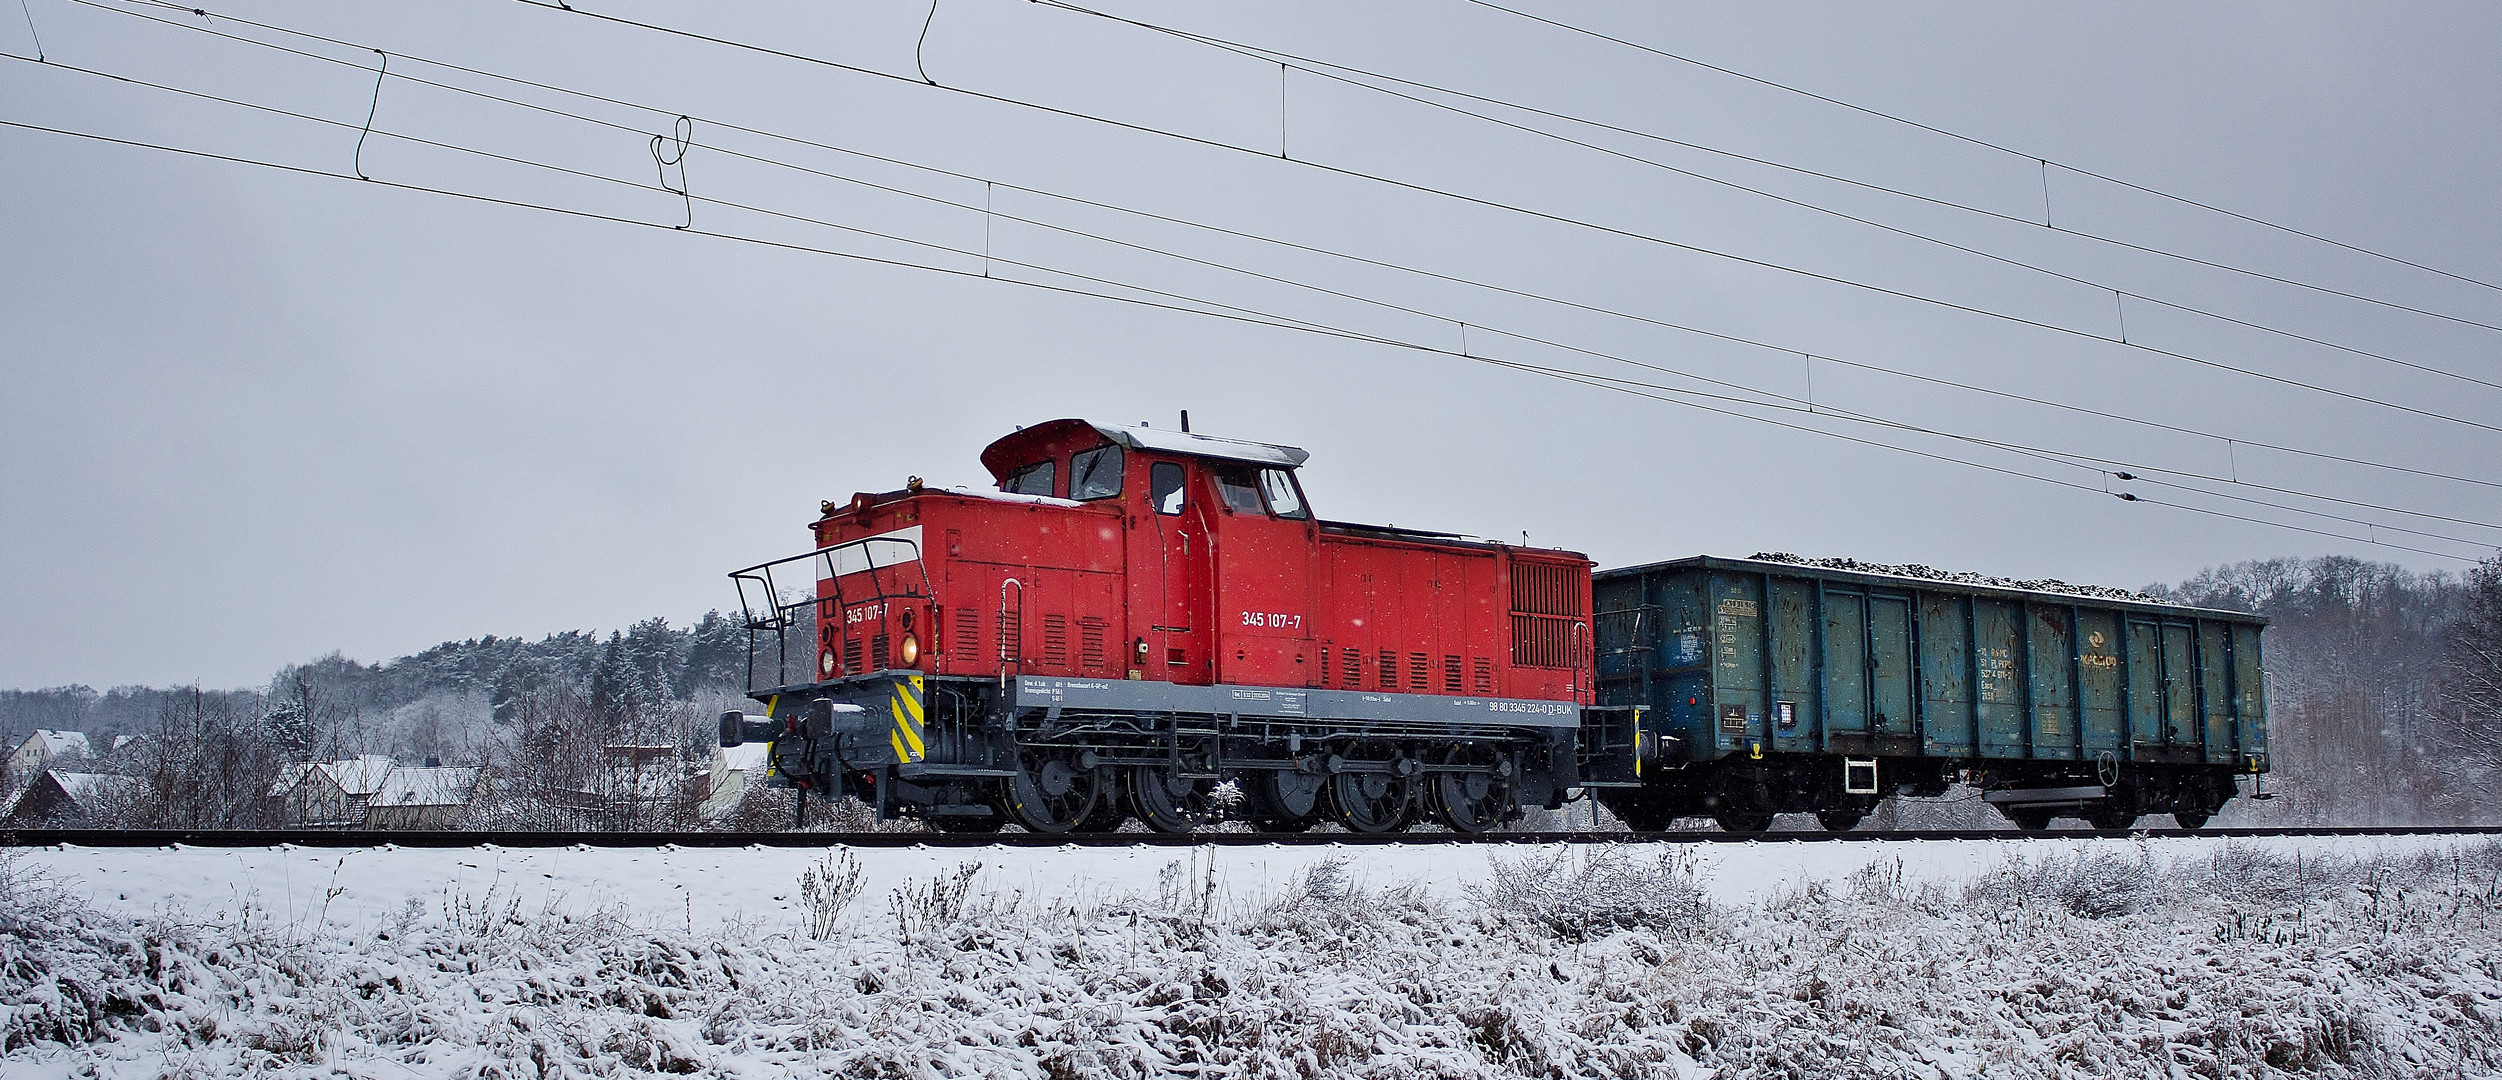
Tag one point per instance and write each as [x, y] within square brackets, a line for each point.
[911, 650]
[825, 663]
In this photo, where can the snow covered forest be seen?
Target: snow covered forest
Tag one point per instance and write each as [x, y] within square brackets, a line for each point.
[2386, 698]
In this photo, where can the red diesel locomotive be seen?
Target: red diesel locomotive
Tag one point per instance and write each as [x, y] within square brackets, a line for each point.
[1138, 615]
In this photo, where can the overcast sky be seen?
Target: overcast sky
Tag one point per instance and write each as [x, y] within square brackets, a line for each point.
[250, 416]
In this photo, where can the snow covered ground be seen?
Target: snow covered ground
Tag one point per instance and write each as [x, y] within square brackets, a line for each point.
[2020, 957]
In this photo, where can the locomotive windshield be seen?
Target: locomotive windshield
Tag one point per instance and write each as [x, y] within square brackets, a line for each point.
[1234, 484]
[1283, 499]
[1034, 479]
[1095, 474]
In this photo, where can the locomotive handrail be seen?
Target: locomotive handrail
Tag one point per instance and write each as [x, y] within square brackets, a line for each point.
[1011, 644]
[779, 614]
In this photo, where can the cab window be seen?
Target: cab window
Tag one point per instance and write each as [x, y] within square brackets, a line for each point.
[1283, 500]
[1034, 479]
[1095, 474]
[1236, 486]
[1164, 488]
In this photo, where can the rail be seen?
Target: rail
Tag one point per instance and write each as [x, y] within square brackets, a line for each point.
[137, 838]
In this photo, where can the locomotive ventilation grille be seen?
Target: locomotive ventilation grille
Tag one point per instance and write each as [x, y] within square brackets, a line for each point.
[1055, 641]
[967, 643]
[1545, 604]
[1090, 632]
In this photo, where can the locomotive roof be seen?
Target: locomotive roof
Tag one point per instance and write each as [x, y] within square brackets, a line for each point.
[1018, 448]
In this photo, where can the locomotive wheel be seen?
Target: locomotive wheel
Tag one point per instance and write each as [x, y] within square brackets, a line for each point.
[2030, 820]
[1111, 806]
[1744, 821]
[2112, 819]
[1166, 805]
[1839, 820]
[1372, 802]
[1285, 801]
[1471, 802]
[2192, 820]
[1050, 794]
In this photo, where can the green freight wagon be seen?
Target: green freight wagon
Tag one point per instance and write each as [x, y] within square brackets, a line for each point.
[1750, 687]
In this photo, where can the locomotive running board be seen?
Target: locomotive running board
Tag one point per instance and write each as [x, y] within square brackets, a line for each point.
[1121, 695]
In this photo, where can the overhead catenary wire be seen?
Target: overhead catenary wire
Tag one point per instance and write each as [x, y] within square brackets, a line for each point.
[1196, 139]
[2060, 455]
[1760, 398]
[1987, 145]
[1495, 204]
[1800, 170]
[1233, 314]
[1303, 63]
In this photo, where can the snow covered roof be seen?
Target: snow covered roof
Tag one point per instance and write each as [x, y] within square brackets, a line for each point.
[1183, 442]
[82, 788]
[441, 786]
[357, 776]
[56, 743]
[1006, 497]
[289, 775]
[1057, 438]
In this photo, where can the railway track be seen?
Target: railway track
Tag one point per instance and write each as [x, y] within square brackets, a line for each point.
[310, 838]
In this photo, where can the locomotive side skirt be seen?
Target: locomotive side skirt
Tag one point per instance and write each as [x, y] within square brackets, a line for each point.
[1279, 702]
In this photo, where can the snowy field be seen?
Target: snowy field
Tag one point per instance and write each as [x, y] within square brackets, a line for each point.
[2018, 957]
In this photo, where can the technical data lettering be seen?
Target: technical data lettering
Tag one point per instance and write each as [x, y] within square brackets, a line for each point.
[1273, 620]
[1997, 675]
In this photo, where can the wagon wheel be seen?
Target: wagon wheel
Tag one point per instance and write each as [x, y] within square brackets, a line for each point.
[1050, 793]
[1284, 800]
[2030, 820]
[1839, 820]
[1476, 800]
[1372, 802]
[1165, 803]
[1111, 806]
[1639, 812]
[2112, 818]
[1744, 821]
[2192, 820]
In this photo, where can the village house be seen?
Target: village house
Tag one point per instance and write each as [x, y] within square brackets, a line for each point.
[42, 748]
[330, 794]
[434, 798]
[68, 800]
[734, 768]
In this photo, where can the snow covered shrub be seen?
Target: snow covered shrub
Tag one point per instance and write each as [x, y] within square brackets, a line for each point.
[2093, 884]
[1581, 892]
[1188, 887]
[32, 900]
[826, 889]
[923, 909]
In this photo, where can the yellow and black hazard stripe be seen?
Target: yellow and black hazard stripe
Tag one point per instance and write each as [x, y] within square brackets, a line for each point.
[906, 706]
